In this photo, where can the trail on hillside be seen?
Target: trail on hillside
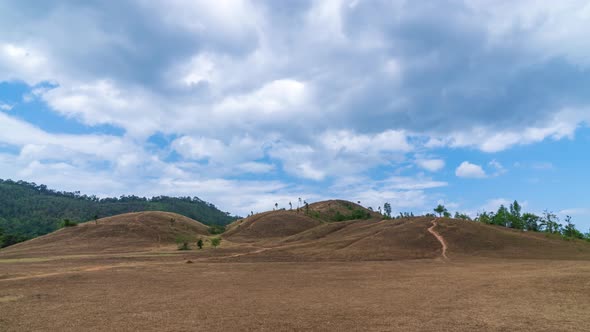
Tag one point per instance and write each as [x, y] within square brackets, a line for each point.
[439, 238]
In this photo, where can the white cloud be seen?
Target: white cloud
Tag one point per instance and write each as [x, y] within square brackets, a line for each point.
[5, 107]
[562, 124]
[256, 167]
[469, 170]
[432, 165]
[497, 166]
[18, 62]
[273, 99]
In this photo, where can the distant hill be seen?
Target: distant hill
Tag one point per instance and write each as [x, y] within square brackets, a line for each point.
[321, 236]
[28, 210]
[128, 232]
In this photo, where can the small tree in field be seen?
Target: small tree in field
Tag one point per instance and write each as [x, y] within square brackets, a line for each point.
[216, 241]
[183, 242]
[96, 219]
[440, 209]
[387, 210]
[200, 244]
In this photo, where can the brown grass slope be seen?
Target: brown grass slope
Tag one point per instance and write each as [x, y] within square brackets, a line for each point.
[468, 238]
[408, 238]
[267, 225]
[122, 233]
[359, 240]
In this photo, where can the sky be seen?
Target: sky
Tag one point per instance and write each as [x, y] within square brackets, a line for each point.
[471, 103]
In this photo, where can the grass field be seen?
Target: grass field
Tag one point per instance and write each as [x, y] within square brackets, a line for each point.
[164, 293]
[418, 274]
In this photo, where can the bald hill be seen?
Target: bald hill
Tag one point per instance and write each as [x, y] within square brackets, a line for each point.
[28, 210]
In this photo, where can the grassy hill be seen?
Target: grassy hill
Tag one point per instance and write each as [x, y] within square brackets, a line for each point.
[128, 232]
[28, 210]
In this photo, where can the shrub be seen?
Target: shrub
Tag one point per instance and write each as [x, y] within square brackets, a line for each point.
[200, 244]
[67, 223]
[216, 229]
[183, 242]
[215, 241]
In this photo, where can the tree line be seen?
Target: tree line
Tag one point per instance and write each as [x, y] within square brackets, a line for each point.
[514, 217]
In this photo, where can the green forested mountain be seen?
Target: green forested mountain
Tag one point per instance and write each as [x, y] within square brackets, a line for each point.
[28, 210]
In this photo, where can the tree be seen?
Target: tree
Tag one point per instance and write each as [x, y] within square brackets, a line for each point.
[462, 216]
[183, 242]
[515, 217]
[502, 217]
[570, 229]
[531, 221]
[387, 210]
[96, 219]
[440, 209]
[276, 206]
[215, 242]
[446, 214]
[200, 244]
[550, 222]
[290, 206]
[485, 217]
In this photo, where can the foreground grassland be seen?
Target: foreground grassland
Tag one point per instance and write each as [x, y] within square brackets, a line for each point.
[223, 291]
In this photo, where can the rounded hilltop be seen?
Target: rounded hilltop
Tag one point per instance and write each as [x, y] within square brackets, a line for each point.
[137, 231]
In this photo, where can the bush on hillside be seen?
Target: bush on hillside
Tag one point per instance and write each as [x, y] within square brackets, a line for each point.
[216, 229]
[184, 242]
[67, 223]
[215, 241]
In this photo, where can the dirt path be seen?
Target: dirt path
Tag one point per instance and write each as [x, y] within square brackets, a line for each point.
[439, 238]
[248, 253]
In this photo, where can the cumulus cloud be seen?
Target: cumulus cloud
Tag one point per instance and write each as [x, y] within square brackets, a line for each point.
[432, 165]
[469, 170]
[305, 90]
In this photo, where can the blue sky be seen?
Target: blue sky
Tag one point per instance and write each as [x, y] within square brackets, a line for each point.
[246, 103]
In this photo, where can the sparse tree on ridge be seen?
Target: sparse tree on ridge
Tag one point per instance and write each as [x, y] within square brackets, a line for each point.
[550, 222]
[276, 206]
[290, 206]
[440, 209]
[531, 221]
[387, 210]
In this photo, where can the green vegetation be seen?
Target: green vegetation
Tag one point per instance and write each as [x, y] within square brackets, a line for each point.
[67, 223]
[440, 209]
[387, 210]
[215, 241]
[200, 243]
[28, 210]
[548, 222]
[357, 213]
[216, 229]
[184, 242]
